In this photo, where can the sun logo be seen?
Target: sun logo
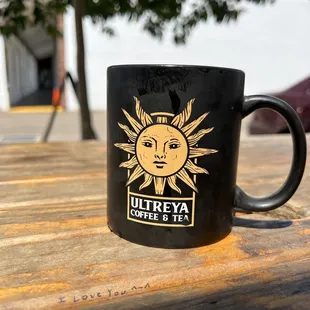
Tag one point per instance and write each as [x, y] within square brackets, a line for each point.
[163, 151]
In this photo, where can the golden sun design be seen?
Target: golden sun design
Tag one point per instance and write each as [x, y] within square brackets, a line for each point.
[163, 151]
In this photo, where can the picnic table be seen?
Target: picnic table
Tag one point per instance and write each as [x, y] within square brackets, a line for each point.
[57, 252]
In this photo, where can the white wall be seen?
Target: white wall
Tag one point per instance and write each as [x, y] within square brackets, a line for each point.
[4, 93]
[270, 43]
[22, 70]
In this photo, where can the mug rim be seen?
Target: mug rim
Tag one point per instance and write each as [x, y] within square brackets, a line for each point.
[173, 66]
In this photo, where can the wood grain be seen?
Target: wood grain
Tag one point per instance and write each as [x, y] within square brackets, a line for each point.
[58, 253]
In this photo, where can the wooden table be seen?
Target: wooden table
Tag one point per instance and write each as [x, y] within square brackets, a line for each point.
[56, 251]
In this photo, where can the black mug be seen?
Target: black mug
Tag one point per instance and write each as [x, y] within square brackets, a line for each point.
[173, 142]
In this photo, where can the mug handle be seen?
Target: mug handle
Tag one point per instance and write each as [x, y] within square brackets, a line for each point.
[277, 199]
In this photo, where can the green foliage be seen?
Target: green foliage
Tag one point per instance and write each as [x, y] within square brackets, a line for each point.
[16, 15]
[155, 15]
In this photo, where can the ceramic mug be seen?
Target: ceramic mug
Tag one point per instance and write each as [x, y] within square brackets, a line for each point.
[173, 143]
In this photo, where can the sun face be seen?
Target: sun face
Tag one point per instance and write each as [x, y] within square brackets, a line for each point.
[163, 151]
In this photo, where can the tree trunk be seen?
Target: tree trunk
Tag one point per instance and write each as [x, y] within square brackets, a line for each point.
[87, 131]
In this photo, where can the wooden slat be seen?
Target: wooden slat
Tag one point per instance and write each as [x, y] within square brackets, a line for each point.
[34, 161]
[85, 258]
[57, 250]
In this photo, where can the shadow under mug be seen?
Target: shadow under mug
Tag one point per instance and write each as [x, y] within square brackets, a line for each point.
[173, 143]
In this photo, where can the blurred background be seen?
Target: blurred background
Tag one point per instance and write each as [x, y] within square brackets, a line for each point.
[269, 40]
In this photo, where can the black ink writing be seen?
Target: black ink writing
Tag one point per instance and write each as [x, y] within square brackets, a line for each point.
[124, 292]
[116, 293]
[110, 293]
[85, 297]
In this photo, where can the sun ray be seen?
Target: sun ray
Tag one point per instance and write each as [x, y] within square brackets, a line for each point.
[191, 167]
[131, 135]
[135, 175]
[162, 120]
[147, 181]
[188, 129]
[159, 184]
[181, 118]
[130, 163]
[127, 147]
[183, 175]
[172, 181]
[135, 125]
[144, 118]
[197, 152]
[192, 140]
